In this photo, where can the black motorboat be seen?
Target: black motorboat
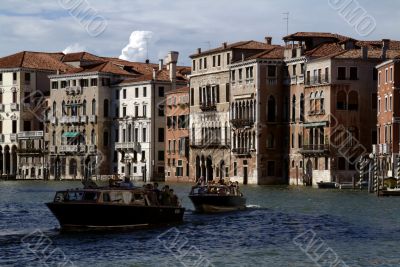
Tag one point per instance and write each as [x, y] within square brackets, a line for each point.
[327, 185]
[217, 198]
[109, 208]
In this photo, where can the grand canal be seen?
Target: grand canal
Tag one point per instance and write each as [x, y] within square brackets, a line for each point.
[360, 229]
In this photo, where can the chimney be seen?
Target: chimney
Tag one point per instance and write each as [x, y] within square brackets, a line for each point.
[160, 64]
[268, 40]
[198, 50]
[224, 45]
[242, 56]
[364, 52]
[385, 47]
[154, 73]
[147, 61]
[172, 60]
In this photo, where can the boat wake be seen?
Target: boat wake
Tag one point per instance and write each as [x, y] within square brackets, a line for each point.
[250, 206]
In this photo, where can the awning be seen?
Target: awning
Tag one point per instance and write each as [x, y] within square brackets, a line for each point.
[70, 134]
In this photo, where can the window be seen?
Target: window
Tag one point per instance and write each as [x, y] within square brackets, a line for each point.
[161, 155]
[123, 111]
[227, 92]
[214, 61]
[205, 63]
[93, 107]
[386, 76]
[93, 82]
[219, 61]
[271, 109]
[379, 105]
[271, 71]
[390, 102]
[84, 83]
[14, 77]
[233, 75]
[240, 74]
[353, 73]
[249, 73]
[63, 84]
[270, 141]
[27, 77]
[144, 110]
[179, 169]
[1, 78]
[271, 168]
[144, 91]
[341, 73]
[228, 58]
[161, 110]
[144, 137]
[294, 70]
[192, 96]
[14, 126]
[161, 91]
[326, 75]
[194, 65]
[124, 94]
[106, 108]
[136, 92]
[105, 139]
[136, 111]
[160, 134]
[235, 169]
[391, 74]
[143, 155]
[200, 63]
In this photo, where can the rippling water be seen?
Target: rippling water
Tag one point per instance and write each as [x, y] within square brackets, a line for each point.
[361, 229]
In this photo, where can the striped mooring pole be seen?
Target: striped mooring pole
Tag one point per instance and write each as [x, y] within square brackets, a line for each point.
[398, 170]
[375, 174]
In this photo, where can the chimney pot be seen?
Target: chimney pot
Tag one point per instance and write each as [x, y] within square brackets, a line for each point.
[198, 50]
[268, 40]
[385, 47]
[364, 52]
[224, 44]
[147, 61]
[160, 64]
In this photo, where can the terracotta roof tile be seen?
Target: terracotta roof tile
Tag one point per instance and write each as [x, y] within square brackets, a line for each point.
[81, 56]
[34, 60]
[324, 50]
[274, 53]
[178, 90]
[161, 76]
[302, 35]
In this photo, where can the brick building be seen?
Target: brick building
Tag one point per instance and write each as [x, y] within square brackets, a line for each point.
[177, 136]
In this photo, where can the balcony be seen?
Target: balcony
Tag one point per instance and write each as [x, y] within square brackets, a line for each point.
[73, 90]
[242, 123]
[385, 149]
[315, 149]
[208, 106]
[30, 151]
[241, 152]
[128, 146]
[14, 107]
[31, 135]
[74, 120]
[53, 149]
[83, 119]
[13, 137]
[53, 120]
[93, 118]
[69, 149]
[210, 144]
[317, 80]
[82, 148]
[64, 120]
[293, 80]
[92, 149]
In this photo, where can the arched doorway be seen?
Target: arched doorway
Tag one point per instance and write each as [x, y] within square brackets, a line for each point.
[209, 168]
[309, 171]
[57, 169]
[73, 168]
[203, 167]
[222, 169]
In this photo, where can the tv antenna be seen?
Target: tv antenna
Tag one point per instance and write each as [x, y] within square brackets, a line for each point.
[286, 18]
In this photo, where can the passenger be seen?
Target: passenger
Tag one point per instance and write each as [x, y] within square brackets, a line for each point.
[157, 191]
[174, 198]
[221, 181]
[165, 196]
[201, 181]
[127, 183]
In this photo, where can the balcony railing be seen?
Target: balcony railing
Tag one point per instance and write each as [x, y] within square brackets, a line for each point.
[315, 149]
[92, 148]
[293, 80]
[241, 123]
[133, 146]
[82, 148]
[53, 149]
[382, 149]
[208, 106]
[210, 144]
[72, 90]
[30, 151]
[93, 119]
[64, 120]
[30, 134]
[74, 119]
[242, 151]
[69, 149]
[317, 80]
[84, 119]
[13, 137]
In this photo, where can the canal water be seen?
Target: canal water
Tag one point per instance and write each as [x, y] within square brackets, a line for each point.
[278, 229]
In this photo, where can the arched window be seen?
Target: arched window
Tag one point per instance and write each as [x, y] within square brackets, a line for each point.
[64, 111]
[312, 102]
[84, 108]
[54, 138]
[341, 100]
[270, 141]
[73, 170]
[271, 109]
[105, 108]
[54, 109]
[293, 108]
[93, 137]
[353, 101]
[302, 107]
[322, 101]
[94, 107]
[234, 140]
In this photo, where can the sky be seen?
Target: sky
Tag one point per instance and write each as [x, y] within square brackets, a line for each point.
[140, 29]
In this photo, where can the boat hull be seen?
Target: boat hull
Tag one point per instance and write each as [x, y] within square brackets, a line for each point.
[217, 204]
[327, 185]
[74, 216]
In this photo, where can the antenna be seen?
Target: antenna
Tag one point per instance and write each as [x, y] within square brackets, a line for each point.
[286, 18]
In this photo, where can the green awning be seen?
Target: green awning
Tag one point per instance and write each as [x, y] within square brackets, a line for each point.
[70, 134]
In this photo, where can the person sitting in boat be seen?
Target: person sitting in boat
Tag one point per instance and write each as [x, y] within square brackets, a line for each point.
[157, 191]
[127, 183]
[166, 196]
[174, 198]
[201, 181]
[221, 181]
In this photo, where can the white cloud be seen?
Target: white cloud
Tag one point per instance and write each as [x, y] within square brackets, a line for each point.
[74, 48]
[137, 48]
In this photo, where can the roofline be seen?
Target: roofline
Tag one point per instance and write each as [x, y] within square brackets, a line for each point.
[147, 82]
[61, 76]
[387, 62]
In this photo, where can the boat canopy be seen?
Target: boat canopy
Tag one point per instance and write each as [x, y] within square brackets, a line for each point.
[70, 134]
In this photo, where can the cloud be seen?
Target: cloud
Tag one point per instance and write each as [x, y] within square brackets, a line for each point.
[74, 48]
[137, 48]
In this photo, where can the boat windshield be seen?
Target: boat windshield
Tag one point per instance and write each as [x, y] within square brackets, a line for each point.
[76, 196]
[215, 190]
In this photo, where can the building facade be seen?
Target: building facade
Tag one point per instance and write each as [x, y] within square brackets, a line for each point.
[142, 123]
[177, 136]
